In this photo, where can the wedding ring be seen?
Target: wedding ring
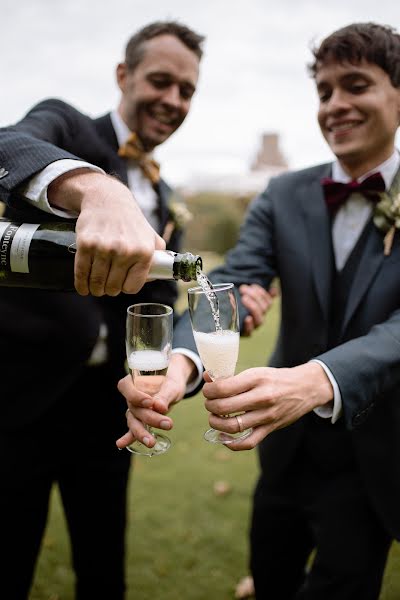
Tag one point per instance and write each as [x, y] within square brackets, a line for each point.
[240, 422]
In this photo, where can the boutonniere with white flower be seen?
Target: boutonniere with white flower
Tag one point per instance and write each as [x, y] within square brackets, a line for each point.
[387, 213]
[179, 216]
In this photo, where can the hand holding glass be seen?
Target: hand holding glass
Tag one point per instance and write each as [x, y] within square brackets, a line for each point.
[148, 350]
[215, 324]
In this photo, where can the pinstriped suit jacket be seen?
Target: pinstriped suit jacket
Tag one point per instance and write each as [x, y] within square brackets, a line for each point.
[47, 337]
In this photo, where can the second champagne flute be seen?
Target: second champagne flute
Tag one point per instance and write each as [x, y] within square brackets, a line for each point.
[148, 350]
[215, 322]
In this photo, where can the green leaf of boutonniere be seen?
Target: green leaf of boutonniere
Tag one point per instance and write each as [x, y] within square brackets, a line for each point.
[387, 213]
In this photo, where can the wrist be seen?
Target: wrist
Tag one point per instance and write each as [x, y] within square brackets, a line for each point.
[316, 387]
[182, 364]
[71, 189]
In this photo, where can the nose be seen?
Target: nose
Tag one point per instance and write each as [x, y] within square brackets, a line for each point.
[172, 96]
[338, 101]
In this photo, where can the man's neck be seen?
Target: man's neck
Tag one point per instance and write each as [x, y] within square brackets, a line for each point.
[387, 168]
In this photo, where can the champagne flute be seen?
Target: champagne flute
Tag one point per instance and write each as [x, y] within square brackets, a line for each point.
[148, 350]
[215, 322]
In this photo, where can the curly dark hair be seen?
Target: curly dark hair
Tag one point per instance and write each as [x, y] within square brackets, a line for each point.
[136, 45]
[376, 44]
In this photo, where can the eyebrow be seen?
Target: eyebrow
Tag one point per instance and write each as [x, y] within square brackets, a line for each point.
[357, 73]
[185, 83]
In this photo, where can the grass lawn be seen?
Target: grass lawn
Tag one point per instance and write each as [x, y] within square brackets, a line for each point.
[185, 541]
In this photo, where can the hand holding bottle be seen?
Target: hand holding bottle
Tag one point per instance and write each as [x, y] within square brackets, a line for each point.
[115, 243]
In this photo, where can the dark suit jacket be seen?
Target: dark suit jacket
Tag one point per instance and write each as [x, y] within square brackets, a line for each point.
[47, 337]
[287, 234]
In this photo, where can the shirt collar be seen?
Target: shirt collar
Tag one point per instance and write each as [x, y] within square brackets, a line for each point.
[122, 131]
[388, 170]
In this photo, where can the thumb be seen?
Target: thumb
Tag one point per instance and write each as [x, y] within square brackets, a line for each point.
[166, 395]
[206, 377]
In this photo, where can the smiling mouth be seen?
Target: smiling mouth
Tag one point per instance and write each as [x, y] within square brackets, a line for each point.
[340, 128]
[164, 119]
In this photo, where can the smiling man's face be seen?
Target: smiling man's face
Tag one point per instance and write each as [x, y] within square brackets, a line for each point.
[156, 95]
[359, 113]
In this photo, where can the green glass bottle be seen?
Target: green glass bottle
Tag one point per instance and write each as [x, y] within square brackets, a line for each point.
[42, 256]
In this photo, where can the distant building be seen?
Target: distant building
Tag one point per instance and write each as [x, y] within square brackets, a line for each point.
[269, 161]
[269, 154]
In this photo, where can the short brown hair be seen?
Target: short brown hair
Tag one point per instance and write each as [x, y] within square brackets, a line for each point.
[135, 47]
[376, 44]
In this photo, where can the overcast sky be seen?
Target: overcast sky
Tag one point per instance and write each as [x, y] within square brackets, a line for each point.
[253, 76]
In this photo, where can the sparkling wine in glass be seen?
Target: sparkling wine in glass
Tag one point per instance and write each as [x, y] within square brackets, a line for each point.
[215, 323]
[148, 350]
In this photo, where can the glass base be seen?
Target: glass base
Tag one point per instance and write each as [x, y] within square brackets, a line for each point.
[220, 437]
[162, 445]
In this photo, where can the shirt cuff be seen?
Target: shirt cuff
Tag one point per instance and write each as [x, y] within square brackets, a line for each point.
[333, 409]
[192, 385]
[35, 191]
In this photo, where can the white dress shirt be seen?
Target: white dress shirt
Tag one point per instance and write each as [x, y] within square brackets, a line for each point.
[348, 224]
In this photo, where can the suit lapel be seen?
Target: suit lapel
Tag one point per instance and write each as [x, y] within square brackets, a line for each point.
[370, 262]
[163, 192]
[319, 235]
[106, 131]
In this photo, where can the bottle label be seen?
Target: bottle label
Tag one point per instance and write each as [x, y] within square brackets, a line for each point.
[15, 241]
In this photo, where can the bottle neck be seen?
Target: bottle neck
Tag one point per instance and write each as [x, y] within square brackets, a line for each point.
[187, 266]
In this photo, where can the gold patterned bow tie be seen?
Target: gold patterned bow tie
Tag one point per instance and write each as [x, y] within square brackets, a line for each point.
[133, 148]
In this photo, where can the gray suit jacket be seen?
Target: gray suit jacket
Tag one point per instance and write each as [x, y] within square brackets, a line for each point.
[287, 234]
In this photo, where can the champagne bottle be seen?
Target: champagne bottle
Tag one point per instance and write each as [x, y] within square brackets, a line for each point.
[42, 256]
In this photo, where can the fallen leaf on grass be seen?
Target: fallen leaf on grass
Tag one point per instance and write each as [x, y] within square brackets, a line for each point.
[245, 588]
[222, 488]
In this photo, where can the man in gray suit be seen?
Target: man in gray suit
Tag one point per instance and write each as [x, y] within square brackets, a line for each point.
[326, 412]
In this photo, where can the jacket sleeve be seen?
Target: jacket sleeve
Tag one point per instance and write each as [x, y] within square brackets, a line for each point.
[367, 368]
[40, 138]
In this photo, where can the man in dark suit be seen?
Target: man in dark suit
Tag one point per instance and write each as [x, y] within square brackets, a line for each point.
[326, 413]
[64, 353]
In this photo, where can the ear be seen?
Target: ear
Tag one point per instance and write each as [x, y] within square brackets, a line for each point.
[121, 75]
[398, 102]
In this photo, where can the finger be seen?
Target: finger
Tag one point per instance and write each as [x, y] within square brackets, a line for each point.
[248, 420]
[229, 424]
[148, 417]
[232, 386]
[125, 440]
[248, 326]
[139, 431]
[256, 305]
[98, 274]
[160, 243]
[136, 277]
[116, 276]
[247, 401]
[134, 396]
[82, 267]
[251, 441]
[255, 310]
[168, 394]
[273, 292]
[259, 295]
[206, 377]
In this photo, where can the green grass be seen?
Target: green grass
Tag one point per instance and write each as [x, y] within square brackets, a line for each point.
[184, 541]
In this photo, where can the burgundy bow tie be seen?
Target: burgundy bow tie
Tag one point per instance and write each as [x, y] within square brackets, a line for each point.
[336, 193]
